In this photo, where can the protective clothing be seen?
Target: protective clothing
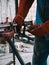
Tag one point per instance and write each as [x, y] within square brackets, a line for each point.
[40, 30]
[22, 11]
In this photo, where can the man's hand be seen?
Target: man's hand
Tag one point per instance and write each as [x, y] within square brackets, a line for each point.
[33, 26]
[7, 35]
[38, 29]
[19, 20]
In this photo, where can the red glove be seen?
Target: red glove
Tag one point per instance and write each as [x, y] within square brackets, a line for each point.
[7, 35]
[19, 20]
[41, 30]
[33, 26]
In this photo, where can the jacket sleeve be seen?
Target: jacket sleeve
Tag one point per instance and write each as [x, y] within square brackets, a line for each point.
[24, 7]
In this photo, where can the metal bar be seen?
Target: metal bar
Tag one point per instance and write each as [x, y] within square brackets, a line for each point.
[16, 52]
[6, 25]
[16, 6]
[13, 53]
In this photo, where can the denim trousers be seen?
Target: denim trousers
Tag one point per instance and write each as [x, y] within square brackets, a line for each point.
[41, 51]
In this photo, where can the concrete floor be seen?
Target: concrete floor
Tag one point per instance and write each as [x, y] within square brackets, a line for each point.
[27, 57]
[6, 58]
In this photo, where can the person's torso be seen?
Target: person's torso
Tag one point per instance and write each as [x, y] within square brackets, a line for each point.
[42, 12]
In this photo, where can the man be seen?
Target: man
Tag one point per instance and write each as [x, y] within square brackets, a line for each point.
[40, 29]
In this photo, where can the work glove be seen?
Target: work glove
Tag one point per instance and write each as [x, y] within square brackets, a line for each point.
[7, 35]
[40, 30]
[19, 20]
[33, 26]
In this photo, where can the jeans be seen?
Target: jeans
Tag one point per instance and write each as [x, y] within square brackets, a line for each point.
[41, 51]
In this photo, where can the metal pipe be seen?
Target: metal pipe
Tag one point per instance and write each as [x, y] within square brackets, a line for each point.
[16, 52]
[16, 6]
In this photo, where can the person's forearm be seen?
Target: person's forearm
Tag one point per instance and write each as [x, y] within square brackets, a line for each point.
[41, 29]
[24, 7]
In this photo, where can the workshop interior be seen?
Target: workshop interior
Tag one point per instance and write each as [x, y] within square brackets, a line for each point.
[18, 50]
